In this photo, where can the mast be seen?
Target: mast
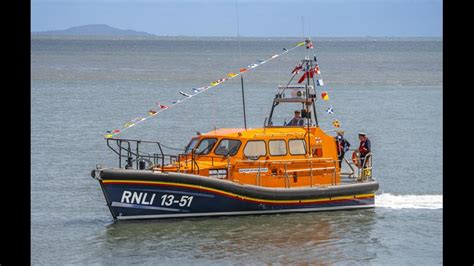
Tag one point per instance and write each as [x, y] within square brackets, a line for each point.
[308, 115]
[243, 99]
[240, 52]
[314, 85]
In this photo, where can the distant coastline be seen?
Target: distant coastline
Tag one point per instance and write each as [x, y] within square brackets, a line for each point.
[227, 38]
[106, 32]
[92, 30]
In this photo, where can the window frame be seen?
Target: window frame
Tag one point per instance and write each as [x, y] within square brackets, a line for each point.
[236, 151]
[259, 140]
[195, 145]
[210, 150]
[286, 147]
[299, 154]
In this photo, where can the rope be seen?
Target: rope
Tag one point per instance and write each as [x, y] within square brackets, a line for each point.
[198, 91]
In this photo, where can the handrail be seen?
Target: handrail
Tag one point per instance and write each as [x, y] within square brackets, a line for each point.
[366, 168]
[197, 166]
[311, 169]
[296, 135]
[133, 140]
[352, 174]
[288, 160]
[360, 174]
[133, 153]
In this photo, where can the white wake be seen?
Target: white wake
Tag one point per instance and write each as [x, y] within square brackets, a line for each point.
[387, 200]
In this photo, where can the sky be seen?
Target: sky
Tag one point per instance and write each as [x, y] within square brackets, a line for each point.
[257, 18]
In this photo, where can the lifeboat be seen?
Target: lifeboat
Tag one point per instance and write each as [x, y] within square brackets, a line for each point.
[240, 171]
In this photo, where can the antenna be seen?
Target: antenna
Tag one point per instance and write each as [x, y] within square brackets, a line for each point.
[240, 62]
[309, 29]
[302, 26]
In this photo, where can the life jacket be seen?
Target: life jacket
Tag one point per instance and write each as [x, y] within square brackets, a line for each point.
[340, 146]
[362, 149]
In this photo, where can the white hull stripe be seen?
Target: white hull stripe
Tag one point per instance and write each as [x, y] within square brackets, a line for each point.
[136, 206]
[240, 212]
[176, 192]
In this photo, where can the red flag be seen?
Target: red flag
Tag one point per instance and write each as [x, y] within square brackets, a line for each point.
[309, 74]
[297, 69]
[243, 69]
[313, 71]
[303, 77]
[163, 106]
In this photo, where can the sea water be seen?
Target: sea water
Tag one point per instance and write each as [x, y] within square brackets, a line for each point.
[387, 87]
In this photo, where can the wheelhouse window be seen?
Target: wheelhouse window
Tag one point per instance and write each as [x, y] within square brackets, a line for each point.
[277, 147]
[255, 149]
[297, 146]
[227, 147]
[191, 145]
[205, 146]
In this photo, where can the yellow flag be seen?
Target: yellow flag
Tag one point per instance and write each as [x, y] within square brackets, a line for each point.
[231, 75]
[214, 83]
[325, 95]
[300, 44]
[108, 136]
[128, 124]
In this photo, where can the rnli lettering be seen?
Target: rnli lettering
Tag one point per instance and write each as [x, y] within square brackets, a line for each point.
[253, 170]
[184, 201]
[137, 198]
[144, 198]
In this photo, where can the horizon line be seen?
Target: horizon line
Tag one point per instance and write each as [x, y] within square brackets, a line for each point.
[41, 34]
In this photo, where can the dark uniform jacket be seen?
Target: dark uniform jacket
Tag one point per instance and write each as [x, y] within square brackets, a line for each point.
[364, 147]
[343, 144]
[296, 122]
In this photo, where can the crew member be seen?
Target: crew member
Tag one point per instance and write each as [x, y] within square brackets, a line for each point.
[364, 147]
[342, 146]
[297, 120]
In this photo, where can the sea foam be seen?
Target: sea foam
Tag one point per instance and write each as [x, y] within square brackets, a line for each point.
[387, 200]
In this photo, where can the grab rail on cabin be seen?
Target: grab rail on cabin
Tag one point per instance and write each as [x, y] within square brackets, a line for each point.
[193, 158]
[194, 163]
[130, 152]
[326, 166]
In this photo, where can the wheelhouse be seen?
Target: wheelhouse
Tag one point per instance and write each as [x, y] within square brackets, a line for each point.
[268, 157]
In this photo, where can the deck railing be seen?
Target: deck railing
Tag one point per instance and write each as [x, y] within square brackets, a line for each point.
[364, 171]
[131, 155]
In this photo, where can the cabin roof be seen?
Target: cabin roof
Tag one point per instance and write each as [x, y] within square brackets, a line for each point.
[256, 132]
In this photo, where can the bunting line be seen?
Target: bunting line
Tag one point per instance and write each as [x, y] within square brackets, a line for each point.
[197, 91]
[319, 82]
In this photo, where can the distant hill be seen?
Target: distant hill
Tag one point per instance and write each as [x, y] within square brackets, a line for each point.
[95, 30]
